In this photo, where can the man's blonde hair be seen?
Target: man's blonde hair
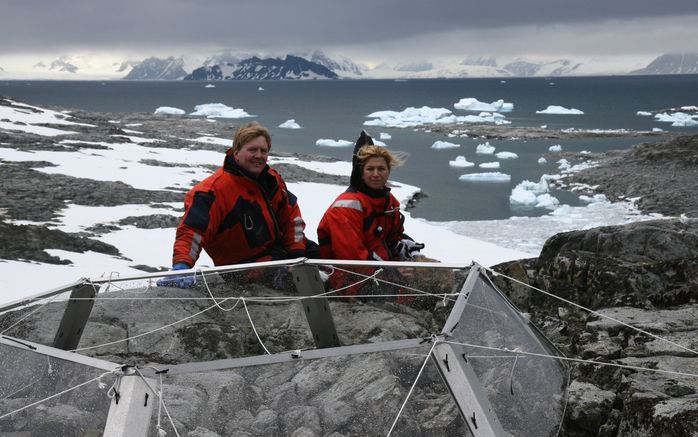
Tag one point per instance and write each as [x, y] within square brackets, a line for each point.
[392, 159]
[248, 132]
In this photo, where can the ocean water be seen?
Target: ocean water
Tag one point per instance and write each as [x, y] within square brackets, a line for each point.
[337, 110]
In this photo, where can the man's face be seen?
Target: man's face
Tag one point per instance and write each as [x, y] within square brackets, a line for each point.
[252, 156]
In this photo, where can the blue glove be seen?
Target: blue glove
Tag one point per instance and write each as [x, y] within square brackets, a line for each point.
[178, 281]
[407, 249]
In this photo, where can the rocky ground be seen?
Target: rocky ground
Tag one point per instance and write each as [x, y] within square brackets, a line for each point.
[664, 176]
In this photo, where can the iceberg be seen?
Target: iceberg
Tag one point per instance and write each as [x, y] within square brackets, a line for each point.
[444, 145]
[506, 155]
[485, 149]
[168, 110]
[473, 104]
[219, 110]
[333, 143]
[486, 177]
[460, 161]
[553, 109]
[290, 124]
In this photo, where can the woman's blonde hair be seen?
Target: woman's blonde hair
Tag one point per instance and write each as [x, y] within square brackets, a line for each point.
[392, 159]
[248, 132]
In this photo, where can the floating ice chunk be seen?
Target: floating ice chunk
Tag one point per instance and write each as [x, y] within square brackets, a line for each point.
[546, 201]
[533, 194]
[502, 81]
[487, 117]
[644, 113]
[489, 164]
[562, 210]
[411, 117]
[219, 110]
[461, 162]
[555, 148]
[260, 89]
[379, 143]
[677, 119]
[543, 126]
[554, 109]
[290, 124]
[656, 129]
[524, 197]
[593, 199]
[485, 149]
[473, 104]
[333, 143]
[542, 160]
[690, 108]
[210, 85]
[563, 164]
[506, 155]
[385, 136]
[444, 145]
[168, 110]
[486, 177]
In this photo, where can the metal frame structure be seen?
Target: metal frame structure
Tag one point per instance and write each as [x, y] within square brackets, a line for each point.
[132, 416]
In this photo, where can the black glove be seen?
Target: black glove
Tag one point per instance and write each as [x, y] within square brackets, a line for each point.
[407, 249]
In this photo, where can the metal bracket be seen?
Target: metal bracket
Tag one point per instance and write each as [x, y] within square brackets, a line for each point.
[130, 412]
[317, 310]
[467, 391]
[75, 317]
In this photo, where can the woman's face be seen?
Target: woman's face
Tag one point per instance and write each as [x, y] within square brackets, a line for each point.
[375, 173]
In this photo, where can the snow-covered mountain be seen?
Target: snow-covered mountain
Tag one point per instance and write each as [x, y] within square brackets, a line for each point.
[672, 63]
[158, 69]
[291, 67]
[344, 67]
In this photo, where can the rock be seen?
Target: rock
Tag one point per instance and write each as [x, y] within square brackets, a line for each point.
[664, 176]
[638, 276]
[588, 408]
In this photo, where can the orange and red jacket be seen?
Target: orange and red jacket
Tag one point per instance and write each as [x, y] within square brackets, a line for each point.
[360, 226]
[238, 218]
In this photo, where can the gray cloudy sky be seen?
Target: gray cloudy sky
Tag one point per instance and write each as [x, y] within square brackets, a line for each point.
[367, 30]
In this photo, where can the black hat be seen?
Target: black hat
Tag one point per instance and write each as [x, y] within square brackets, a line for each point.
[363, 140]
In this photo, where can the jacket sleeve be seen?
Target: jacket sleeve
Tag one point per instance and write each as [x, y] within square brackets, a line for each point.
[343, 222]
[291, 222]
[192, 229]
[397, 228]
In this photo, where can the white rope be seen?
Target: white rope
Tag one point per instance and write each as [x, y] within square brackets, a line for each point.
[33, 404]
[22, 388]
[144, 333]
[414, 384]
[214, 299]
[421, 292]
[593, 312]
[253, 327]
[161, 432]
[577, 360]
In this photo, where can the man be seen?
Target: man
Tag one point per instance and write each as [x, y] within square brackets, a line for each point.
[241, 213]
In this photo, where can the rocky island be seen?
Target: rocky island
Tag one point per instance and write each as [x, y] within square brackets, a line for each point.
[639, 281]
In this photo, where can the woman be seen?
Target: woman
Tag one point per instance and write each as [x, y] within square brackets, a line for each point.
[364, 222]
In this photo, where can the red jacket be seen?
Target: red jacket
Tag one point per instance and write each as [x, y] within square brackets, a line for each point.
[237, 218]
[360, 226]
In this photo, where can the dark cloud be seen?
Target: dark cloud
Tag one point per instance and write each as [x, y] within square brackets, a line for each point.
[50, 25]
